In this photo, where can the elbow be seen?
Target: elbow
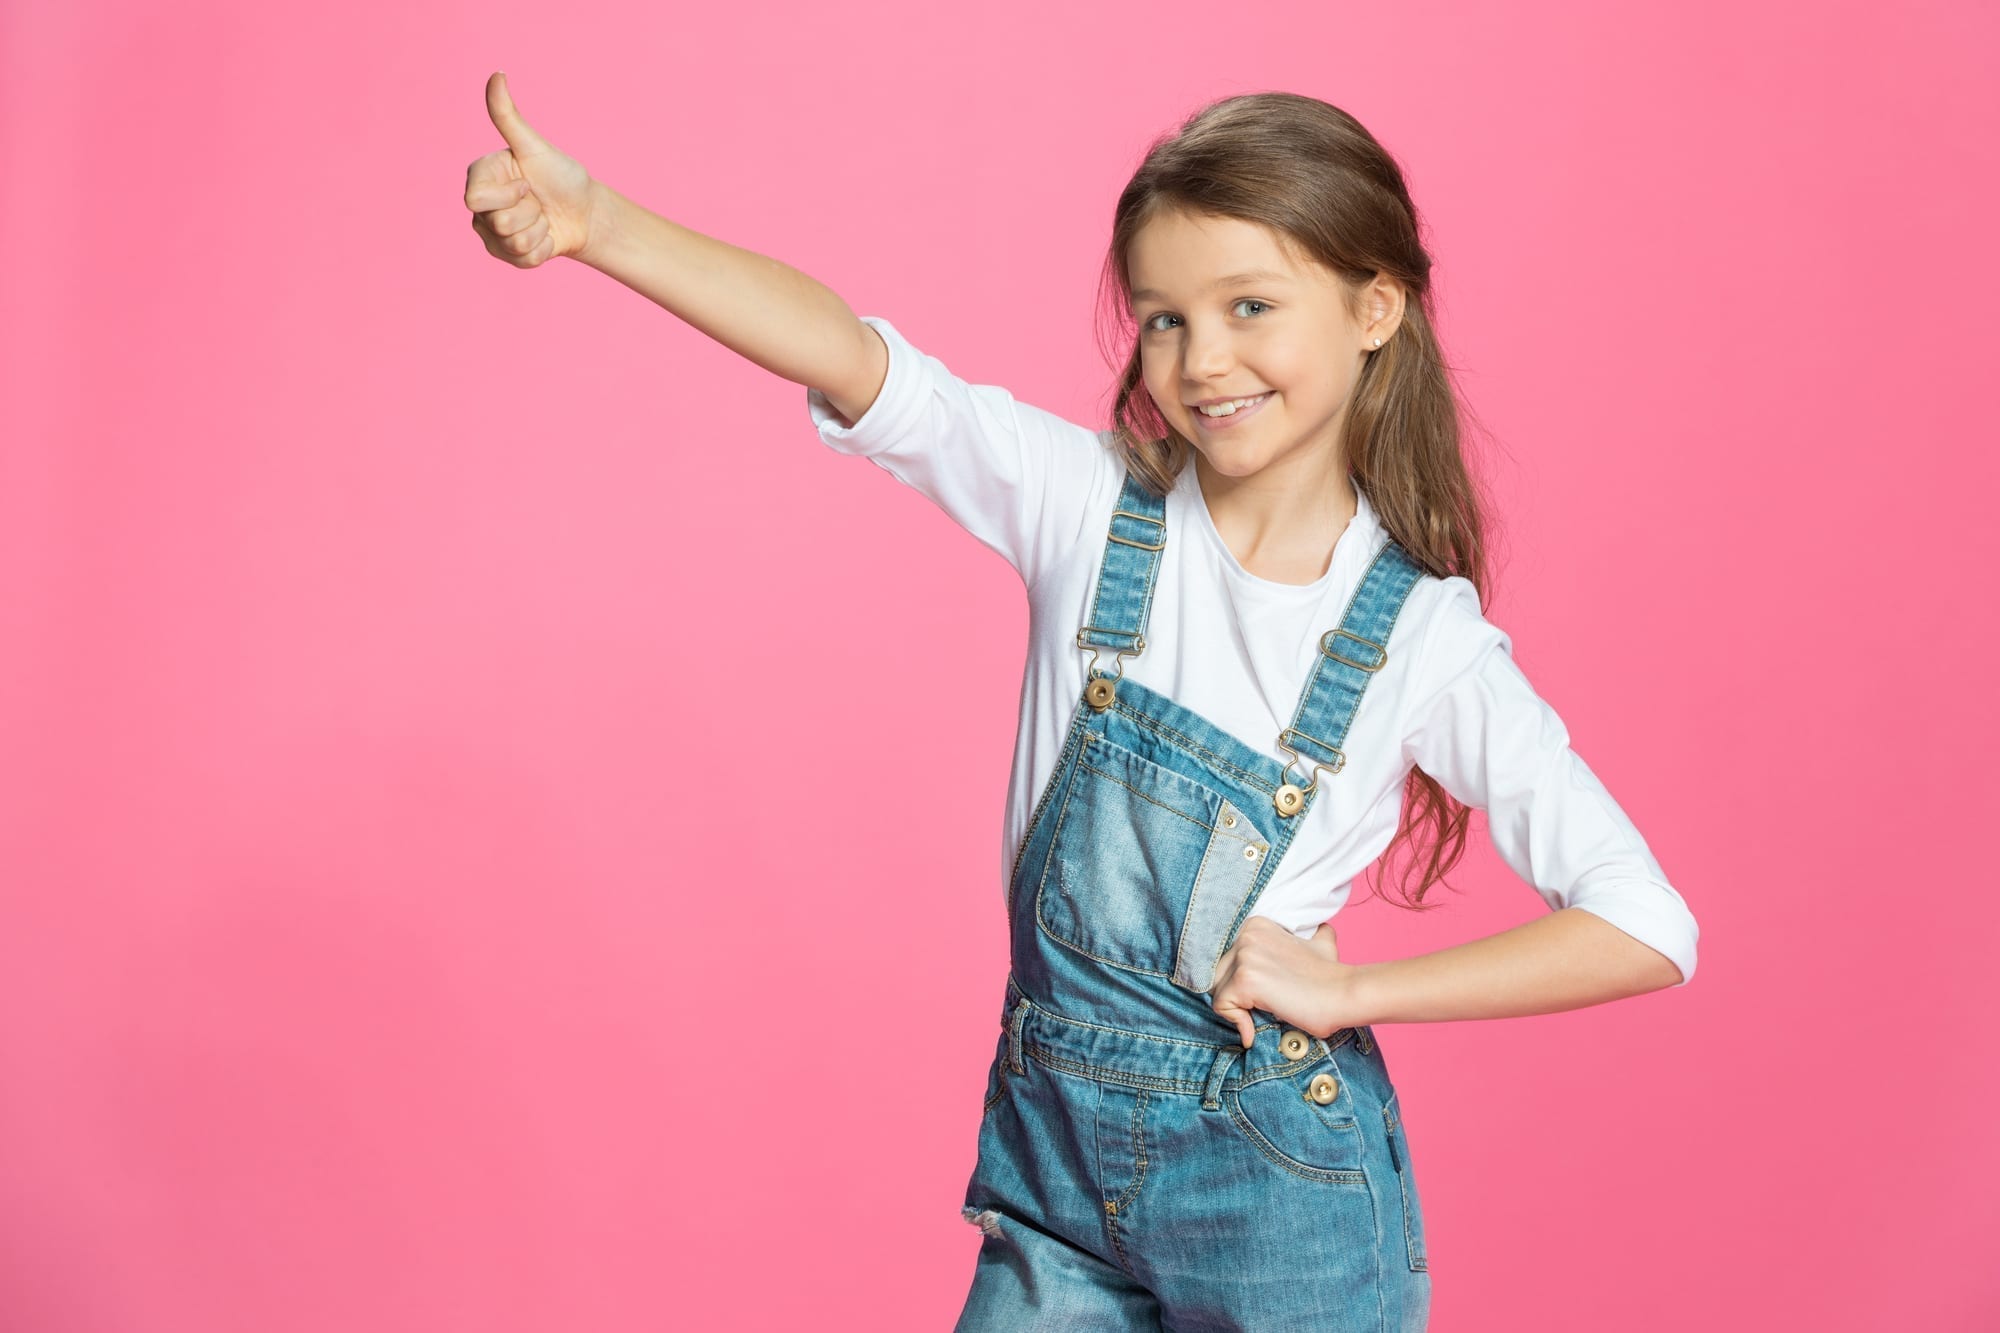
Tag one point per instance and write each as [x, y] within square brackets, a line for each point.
[1666, 971]
[854, 391]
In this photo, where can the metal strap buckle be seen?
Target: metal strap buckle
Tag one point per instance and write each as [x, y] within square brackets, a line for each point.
[1326, 647]
[1143, 518]
[1339, 763]
[1138, 647]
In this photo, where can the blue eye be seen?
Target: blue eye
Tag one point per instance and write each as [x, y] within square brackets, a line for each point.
[1147, 327]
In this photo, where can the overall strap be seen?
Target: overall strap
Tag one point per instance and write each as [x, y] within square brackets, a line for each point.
[1127, 572]
[1347, 660]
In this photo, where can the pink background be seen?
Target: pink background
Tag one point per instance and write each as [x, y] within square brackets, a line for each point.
[469, 861]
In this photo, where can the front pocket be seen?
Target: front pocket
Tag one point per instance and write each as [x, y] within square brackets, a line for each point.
[1129, 847]
[1277, 1113]
[1413, 1207]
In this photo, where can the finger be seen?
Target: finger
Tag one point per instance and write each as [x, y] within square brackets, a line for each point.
[495, 245]
[489, 195]
[1245, 1021]
[507, 120]
[520, 217]
[524, 242]
[486, 169]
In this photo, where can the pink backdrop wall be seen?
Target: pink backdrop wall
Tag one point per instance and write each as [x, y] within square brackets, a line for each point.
[469, 855]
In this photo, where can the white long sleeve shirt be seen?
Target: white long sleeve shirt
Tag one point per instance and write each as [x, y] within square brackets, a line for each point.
[1236, 648]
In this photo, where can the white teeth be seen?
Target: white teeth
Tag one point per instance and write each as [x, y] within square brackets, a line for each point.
[1229, 408]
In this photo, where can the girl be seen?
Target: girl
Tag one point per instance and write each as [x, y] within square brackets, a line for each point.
[1239, 669]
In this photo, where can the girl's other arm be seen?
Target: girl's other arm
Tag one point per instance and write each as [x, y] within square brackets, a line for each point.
[1569, 959]
[1618, 927]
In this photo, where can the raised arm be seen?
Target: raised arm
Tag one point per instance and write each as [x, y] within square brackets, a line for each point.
[531, 202]
[1026, 482]
[787, 322]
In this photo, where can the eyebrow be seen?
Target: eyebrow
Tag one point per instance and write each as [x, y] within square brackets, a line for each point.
[1252, 275]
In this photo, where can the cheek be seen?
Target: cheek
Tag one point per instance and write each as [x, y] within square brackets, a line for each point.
[1307, 387]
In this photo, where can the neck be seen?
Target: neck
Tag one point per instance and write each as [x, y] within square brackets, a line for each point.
[1286, 517]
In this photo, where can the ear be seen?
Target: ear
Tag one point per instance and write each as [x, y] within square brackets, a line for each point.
[1381, 310]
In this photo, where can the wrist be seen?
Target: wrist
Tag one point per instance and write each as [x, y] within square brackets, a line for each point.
[1357, 995]
[600, 224]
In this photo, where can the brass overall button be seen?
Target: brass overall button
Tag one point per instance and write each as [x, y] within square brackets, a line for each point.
[1324, 1088]
[1290, 800]
[1100, 692]
[1294, 1044]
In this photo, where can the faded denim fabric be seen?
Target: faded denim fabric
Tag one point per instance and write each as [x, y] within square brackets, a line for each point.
[1137, 1168]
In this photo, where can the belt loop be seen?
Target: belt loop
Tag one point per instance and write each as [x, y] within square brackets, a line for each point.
[1367, 1040]
[1014, 1035]
[1211, 1095]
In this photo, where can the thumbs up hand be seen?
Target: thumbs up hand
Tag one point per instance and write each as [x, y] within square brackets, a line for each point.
[530, 201]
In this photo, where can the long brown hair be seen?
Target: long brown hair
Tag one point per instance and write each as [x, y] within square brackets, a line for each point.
[1313, 175]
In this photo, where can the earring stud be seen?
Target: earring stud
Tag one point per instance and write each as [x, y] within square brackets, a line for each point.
[1378, 342]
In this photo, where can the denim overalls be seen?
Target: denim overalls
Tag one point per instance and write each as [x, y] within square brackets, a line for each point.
[1137, 1168]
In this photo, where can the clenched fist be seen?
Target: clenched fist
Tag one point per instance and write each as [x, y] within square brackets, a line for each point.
[530, 201]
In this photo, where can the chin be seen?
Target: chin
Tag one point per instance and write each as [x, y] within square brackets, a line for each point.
[1232, 462]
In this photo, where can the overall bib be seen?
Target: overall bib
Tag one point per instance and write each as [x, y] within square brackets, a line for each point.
[1137, 1168]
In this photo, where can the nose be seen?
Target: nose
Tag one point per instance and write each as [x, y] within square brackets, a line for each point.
[1206, 359]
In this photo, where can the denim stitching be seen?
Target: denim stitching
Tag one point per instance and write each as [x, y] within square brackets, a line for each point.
[1041, 807]
[1263, 1145]
[1112, 777]
[1345, 1033]
[1055, 837]
[1251, 892]
[1074, 947]
[1068, 1021]
[1180, 945]
[1124, 1201]
[1104, 1074]
[1381, 1292]
[1419, 1260]
[1055, 851]
[1190, 743]
[1096, 1074]
[1292, 1069]
[1170, 777]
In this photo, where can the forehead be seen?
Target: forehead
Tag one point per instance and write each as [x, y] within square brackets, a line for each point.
[1182, 254]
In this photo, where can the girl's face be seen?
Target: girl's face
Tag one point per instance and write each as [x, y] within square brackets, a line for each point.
[1224, 312]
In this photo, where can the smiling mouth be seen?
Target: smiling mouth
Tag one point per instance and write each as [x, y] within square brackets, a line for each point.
[1246, 401]
[1205, 422]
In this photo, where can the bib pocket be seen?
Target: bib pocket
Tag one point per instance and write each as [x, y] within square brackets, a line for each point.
[1129, 848]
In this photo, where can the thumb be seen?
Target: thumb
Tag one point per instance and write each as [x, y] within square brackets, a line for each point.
[500, 107]
[1323, 940]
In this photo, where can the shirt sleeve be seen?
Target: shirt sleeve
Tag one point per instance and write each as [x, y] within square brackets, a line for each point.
[1020, 479]
[1478, 727]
